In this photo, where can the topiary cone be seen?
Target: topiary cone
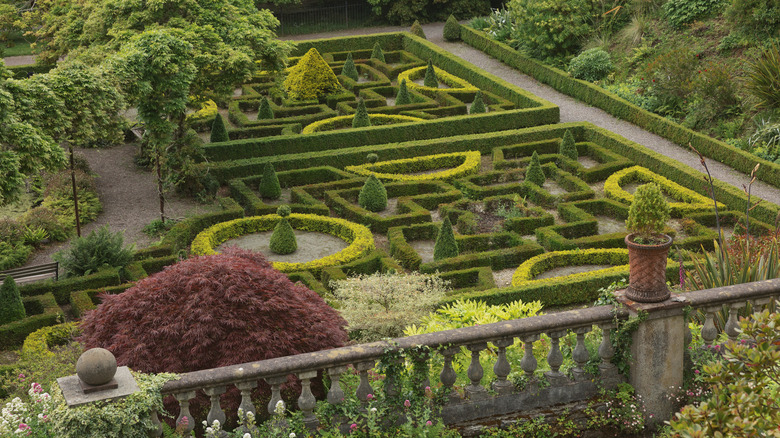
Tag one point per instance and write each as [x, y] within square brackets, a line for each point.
[373, 195]
[534, 172]
[446, 246]
[361, 119]
[218, 130]
[403, 98]
[11, 306]
[377, 53]
[265, 112]
[417, 29]
[283, 238]
[430, 76]
[269, 187]
[451, 29]
[349, 70]
[568, 148]
[478, 106]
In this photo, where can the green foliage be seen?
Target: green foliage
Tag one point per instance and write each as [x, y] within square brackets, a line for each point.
[403, 97]
[88, 254]
[311, 78]
[265, 112]
[377, 53]
[269, 187]
[764, 78]
[218, 130]
[407, 11]
[735, 264]
[649, 211]
[417, 29]
[445, 246]
[284, 210]
[568, 148]
[372, 158]
[671, 75]
[591, 65]
[13, 180]
[373, 195]
[381, 305]
[430, 76]
[680, 12]
[361, 118]
[755, 19]
[477, 106]
[13, 255]
[349, 69]
[451, 29]
[468, 313]
[11, 306]
[157, 227]
[745, 388]
[534, 172]
[283, 238]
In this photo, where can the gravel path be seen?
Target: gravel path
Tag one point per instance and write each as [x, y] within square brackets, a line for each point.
[19, 60]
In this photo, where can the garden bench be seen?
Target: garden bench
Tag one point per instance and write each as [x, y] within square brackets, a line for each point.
[32, 273]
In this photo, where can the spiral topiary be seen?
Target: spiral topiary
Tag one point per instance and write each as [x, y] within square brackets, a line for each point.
[417, 29]
[451, 29]
[11, 306]
[373, 195]
[403, 97]
[349, 70]
[269, 187]
[430, 76]
[567, 147]
[283, 238]
[265, 112]
[534, 172]
[377, 53]
[478, 105]
[361, 119]
[218, 130]
[446, 246]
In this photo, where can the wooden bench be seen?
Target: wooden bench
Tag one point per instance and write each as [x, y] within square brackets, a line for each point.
[32, 273]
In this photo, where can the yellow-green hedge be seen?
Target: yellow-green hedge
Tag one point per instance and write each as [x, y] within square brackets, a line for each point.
[359, 237]
[692, 201]
[532, 267]
[346, 122]
[455, 83]
[38, 343]
[207, 111]
[466, 163]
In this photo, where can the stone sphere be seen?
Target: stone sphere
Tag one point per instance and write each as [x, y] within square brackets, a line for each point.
[96, 366]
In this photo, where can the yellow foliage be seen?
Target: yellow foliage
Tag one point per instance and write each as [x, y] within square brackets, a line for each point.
[311, 78]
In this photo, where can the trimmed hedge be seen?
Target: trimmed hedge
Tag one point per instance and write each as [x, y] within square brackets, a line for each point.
[85, 300]
[462, 214]
[157, 264]
[61, 289]
[181, 234]
[618, 257]
[375, 261]
[38, 344]
[42, 311]
[469, 280]
[152, 252]
[345, 122]
[459, 164]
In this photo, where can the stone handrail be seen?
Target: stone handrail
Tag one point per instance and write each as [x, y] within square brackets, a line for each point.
[363, 357]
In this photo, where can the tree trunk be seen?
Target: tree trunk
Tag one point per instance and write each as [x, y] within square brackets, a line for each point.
[75, 192]
[160, 187]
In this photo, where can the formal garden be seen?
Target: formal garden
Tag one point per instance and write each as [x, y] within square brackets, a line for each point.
[366, 188]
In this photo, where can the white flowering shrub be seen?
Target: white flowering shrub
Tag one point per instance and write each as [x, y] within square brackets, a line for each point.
[20, 418]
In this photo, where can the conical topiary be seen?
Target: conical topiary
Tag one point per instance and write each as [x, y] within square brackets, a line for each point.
[568, 148]
[11, 306]
[283, 238]
[265, 112]
[311, 78]
[430, 76]
[477, 106]
[451, 29]
[218, 131]
[534, 172]
[361, 119]
[377, 53]
[445, 246]
[373, 195]
[403, 97]
[349, 70]
[417, 29]
[269, 187]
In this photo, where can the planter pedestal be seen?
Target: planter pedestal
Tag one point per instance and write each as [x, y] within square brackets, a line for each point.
[647, 265]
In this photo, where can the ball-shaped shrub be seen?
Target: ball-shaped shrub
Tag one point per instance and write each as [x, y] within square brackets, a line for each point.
[451, 29]
[534, 172]
[372, 158]
[218, 130]
[349, 70]
[649, 212]
[591, 65]
[373, 195]
[284, 210]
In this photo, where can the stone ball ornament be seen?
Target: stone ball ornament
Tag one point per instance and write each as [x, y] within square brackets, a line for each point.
[96, 366]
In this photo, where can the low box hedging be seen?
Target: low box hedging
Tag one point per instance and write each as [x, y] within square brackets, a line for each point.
[617, 257]
[375, 78]
[594, 95]
[506, 256]
[457, 86]
[609, 163]
[181, 234]
[61, 289]
[465, 219]
[375, 261]
[457, 165]
[309, 280]
[42, 310]
[84, 300]
[282, 115]
[157, 264]
[469, 280]
[152, 251]
[345, 122]
[134, 271]
[38, 343]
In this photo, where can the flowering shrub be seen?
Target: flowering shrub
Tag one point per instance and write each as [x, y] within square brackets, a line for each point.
[461, 164]
[624, 410]
[32, 418]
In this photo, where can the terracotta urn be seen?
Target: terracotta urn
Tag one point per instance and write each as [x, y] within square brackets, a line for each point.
[647, 266]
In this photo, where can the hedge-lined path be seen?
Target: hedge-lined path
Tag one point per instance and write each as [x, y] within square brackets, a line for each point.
[573, 110]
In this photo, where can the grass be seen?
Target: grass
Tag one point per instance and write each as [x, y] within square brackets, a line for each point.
[18, 208]
[16, 45]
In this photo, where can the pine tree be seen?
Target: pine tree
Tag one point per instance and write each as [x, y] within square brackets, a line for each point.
[430, 76]
[451, 29]
[283, 238]
[373, 195]
[269, 185]
[477, 106]
[265, 112]
[377, 53]
[403, 98]
[349, 70]
[534, 172]
[417, 29]
[568, 148]
[218, 131]
[361, 118]
[11, 306]
[446, 246]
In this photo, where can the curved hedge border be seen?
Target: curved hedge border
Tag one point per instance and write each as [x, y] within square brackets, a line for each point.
[341, 122]
[526, 272]
[456, 84]
[694, 202]
[389, 170]
[38, 343]
[47, 313]
[359, 237]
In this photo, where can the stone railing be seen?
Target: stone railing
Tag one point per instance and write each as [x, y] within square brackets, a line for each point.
[478, 403]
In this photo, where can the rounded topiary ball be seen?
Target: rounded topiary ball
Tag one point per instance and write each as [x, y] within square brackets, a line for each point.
[372, 158]
[373, 195]
[283, 210]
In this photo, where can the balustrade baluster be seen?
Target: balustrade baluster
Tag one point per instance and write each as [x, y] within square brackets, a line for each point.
[475, 391]
[502, 368]
[448, 375]
[336, 394]
[216, 412]
[606, 368]
[732, 324]
[276, 395]
[580, 354]
[184, 411]
[708, 331]
[528, 363]
[156, 422]
[306, 401]
[246, 405]
[391, 384]
[555, 359]
[364, 388]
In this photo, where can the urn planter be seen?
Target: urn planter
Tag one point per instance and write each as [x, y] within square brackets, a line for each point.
[647, 270]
